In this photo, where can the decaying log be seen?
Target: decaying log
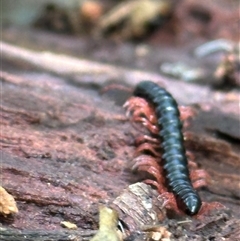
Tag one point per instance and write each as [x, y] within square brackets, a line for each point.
[60, 142]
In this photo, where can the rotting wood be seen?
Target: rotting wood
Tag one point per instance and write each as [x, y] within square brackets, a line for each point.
[12, 142]
[140, 205]
[73, 137]
[8, 234]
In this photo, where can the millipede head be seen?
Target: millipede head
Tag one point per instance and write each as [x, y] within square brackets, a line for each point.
[192, 205]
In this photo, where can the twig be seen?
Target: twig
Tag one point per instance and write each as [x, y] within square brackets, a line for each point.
[87, 72]
[80, 70]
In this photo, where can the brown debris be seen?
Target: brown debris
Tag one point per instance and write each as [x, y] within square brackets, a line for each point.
[211, 20]
[108, 221]
[91, 11]
[228, 70]
[157, 233]
[140, 205]
[68, 225]
[131, 19]
[7, 203]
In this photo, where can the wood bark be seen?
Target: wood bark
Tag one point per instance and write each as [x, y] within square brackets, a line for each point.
[65, 148]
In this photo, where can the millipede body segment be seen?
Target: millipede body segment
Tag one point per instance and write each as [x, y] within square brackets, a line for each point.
[174, 158]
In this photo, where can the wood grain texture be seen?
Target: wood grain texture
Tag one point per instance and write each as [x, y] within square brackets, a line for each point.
[60, 142]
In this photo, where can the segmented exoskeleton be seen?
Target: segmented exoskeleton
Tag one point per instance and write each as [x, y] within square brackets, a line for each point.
[175, 164]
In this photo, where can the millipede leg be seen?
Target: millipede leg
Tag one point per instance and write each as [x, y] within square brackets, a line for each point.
[199, 174]
[170, 202]
[186, 112]
[199, 183]
[146, 147]
[150, 166]
[145, 138]
[158, 185]
[199, 178]
[208, 207]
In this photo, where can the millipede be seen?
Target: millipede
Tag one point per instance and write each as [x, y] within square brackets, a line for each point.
[175, 163]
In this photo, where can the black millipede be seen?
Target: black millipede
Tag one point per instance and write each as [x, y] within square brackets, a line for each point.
[174, 157]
